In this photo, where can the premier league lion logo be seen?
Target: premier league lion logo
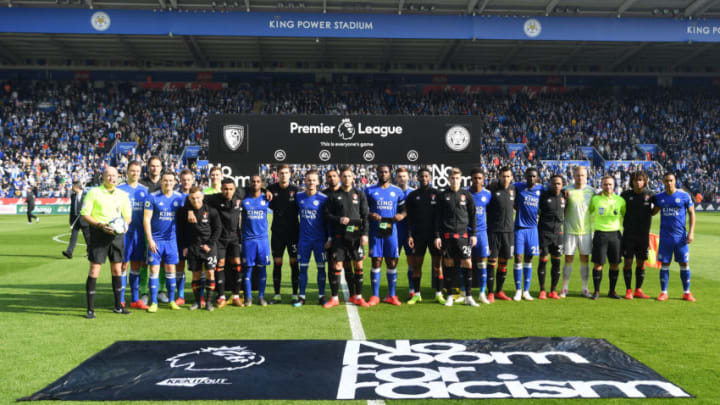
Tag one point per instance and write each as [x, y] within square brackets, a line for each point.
[216, 359]
[346, 129]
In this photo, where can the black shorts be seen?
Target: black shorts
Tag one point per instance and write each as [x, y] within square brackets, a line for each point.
[606, 245]
[104, 246]
[551, 243]
[228, 249]
[279, 242]
[197, 259]
[502, 244]
[423, 243]
[635, 246]
[456, 248]
[344, 249]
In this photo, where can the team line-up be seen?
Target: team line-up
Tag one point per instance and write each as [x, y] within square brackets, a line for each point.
[471, 234]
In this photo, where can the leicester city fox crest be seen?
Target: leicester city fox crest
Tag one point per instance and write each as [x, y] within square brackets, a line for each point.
[233, 135]
[216, 359]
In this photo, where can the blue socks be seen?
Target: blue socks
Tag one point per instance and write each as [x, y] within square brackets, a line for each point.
[664, 278]
[375, 281]
[262, 280]
[180, 284]
[527, 276]
[248, 283]
[517, 275]
[481, 274]
[392, 281]
[321, 279]
[123, 285]
[685, 277]
[303, 277]
[154, 285]
[135, 285]
[170, 284]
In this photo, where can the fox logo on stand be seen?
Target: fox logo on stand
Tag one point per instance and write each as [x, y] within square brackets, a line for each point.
[216, 359]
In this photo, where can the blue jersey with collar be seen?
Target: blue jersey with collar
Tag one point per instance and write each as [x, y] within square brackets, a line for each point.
[312, 221]
[482, 199]
[528, 205]
[402, 226]
[673, 208]
[384, 202]
[254, 217]
[137, 196]
[164, 209]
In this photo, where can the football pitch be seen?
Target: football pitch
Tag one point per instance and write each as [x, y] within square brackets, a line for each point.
[43, 333]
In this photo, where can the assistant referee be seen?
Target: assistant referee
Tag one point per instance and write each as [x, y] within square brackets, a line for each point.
[101, 205]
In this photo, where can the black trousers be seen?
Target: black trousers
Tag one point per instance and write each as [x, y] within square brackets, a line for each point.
[80, 225]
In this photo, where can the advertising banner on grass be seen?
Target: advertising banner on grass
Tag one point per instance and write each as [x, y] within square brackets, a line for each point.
[530, 367]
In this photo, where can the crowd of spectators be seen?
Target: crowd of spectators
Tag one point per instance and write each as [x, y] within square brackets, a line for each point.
[53, 132]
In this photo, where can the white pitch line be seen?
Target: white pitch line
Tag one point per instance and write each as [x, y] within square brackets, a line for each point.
[56, 238]
[358, 333]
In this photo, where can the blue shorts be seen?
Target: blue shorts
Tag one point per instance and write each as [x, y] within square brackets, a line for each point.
[403, 238]
[677, 246]
[527, 242]
[135, 246]
[314, 247]
[167, 252]
[256, 252]
[384, 246]
[482, 248]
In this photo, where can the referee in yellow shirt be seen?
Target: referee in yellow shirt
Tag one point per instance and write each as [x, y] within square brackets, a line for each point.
[101, 205]
[607, 211]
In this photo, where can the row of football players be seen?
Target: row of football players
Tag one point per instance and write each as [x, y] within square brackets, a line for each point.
[475, 230]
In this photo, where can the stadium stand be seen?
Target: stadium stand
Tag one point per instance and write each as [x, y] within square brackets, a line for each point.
[53, 132]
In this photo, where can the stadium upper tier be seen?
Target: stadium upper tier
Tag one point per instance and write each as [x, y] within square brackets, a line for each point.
[68, 126]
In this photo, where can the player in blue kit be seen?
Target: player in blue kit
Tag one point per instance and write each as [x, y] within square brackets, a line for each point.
[481, 251]
[673, 204]
[527, 243]
[255, 240]
[135, 253]
[314, 235]
[387, 206]
[160, 221]
[402, 180]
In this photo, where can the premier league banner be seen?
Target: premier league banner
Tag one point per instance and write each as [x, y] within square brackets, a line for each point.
[531, 367]
[242, 142]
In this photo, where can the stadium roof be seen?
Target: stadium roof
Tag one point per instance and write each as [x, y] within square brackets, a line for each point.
[399, 55]
[628, 8]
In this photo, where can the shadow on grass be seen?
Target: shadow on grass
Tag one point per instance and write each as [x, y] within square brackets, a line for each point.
[56, 257]
[50, 299]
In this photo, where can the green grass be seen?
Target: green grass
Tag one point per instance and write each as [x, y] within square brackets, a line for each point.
[43, 334]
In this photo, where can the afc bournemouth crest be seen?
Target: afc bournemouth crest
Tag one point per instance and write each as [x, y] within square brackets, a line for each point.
[233, 136]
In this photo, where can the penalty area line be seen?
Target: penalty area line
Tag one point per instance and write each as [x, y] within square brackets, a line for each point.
[57, 239]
